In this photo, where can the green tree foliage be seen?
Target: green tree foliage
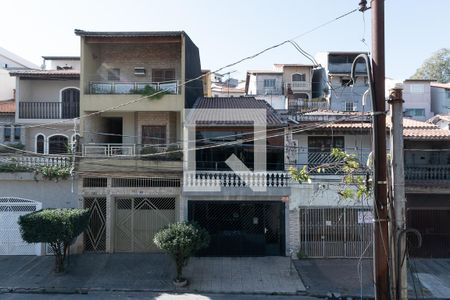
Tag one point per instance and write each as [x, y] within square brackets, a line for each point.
[436, 67]
[57, 227]
[353, 185]
[181, 240]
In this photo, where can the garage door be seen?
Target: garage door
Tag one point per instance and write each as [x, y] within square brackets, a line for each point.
[11, 242]
[137, 220]
[241, 228]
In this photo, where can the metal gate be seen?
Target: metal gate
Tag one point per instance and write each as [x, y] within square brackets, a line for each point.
[336, 231]
[11, 242]
[95, 234]
[137, 220]
[241, 228]
[434, 226]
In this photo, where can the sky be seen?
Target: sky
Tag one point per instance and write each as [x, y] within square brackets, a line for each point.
[226, 31]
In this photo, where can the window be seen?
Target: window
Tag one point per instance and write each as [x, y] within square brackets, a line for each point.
[58, 144]
[416, 88]
[153, 135]
[324, 143]
[40, 144]
[7, 133]
[139, 71]
[298, 77]
[114, 74]
[161, 75]
[269, 83]
[350, 106]
[414, 112]
[17, 130]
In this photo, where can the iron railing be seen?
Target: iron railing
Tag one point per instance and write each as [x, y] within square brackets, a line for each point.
[118, 87]
[142, 151]
[298, 85]
[47, 110]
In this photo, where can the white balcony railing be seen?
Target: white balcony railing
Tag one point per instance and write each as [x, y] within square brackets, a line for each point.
[142, 151]
[216, 179]
[108, 150]
[298, 85]
[35, 161]
[118, 87]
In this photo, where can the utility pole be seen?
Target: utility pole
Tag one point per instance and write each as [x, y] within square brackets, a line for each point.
[381, 247]
[398, 182]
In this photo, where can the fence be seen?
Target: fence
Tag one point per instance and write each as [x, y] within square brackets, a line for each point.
[336, 231]
[35, 161]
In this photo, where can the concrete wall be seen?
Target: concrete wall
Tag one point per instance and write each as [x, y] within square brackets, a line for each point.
[276, 101]
[43, 90]
[50, 193]
[48, 131]
[440, 101]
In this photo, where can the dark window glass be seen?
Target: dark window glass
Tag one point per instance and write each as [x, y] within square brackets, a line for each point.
[114, 74]
[58, 144]
[162, 75]
[40, 144]
[153, 134]
[17, 132]
[298, 77]
[7, 133]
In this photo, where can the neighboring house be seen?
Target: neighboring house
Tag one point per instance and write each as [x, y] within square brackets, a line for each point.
[440, 98]
[417, 97]
[10, 132]
[244, 212]
[266, 85]
[47, 100]
[8, 62]
[131, 166]
[228, 88]
[442, 121]
[334, 227]
[333, 81]
[206, 79]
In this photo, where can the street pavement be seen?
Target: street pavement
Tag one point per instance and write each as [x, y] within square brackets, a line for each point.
[149, 273]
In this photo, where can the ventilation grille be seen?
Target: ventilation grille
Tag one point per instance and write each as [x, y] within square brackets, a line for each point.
[145, 182]
[95, 182]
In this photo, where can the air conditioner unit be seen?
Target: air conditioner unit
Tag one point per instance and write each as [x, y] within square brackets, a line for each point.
[139, 71]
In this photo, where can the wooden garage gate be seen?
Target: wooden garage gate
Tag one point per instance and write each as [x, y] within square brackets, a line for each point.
[137, 220]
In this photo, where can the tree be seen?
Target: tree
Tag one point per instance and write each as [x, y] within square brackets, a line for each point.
[181, 240]
[436, 67]
[57, 227]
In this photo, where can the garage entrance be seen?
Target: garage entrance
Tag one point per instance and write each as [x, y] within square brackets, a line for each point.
[241, 228]
[11, 242]
[137, 220]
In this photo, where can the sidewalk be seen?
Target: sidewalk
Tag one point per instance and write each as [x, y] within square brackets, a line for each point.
[149, 272]
[427, 278]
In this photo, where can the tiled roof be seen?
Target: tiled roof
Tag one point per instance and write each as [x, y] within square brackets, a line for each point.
[8, 106]
[412, 129]
[207, 108]
[47, 74]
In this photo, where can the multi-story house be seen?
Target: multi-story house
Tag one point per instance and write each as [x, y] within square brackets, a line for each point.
[48, 103]
[266, 85]
[417, 97]
[331, 226]
[440, 104]
[235, 184]
[333, 81]
[131, 166]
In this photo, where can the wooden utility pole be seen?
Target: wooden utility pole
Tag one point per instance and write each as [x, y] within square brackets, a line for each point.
[381, 247]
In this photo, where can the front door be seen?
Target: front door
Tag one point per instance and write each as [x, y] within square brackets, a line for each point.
[241, 228]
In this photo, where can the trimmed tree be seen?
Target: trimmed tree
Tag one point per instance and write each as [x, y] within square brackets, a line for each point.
[57, 227]
[181, 241]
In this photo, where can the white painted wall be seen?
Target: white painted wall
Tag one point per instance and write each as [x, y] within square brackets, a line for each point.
[417, 94]
[43, 90]
[440, 101]
[7, 85]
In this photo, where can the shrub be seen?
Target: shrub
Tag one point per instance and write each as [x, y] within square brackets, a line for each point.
[16, 146]
[181, 241]
[57, 227]
[54, 172]
[12, 168]
[150, 153]
[301, 255]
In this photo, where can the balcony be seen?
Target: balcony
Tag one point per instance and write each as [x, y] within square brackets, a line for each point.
[145, 152]
[212, 180]
[298, 86]
[33, 162]
[305, 105]
[47, 110]
[427, 173]
[117, 87]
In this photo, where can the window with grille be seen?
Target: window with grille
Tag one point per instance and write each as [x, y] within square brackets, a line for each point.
[114, 74]
[350, 106]
[163, 75]
[269, 83]
[298, 77]
[17, 132]
[414, 112]
[40, 144]
[153, 134]
[7, 133]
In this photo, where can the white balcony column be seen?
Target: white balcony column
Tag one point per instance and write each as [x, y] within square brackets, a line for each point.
[2, 131]
[23, 135]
